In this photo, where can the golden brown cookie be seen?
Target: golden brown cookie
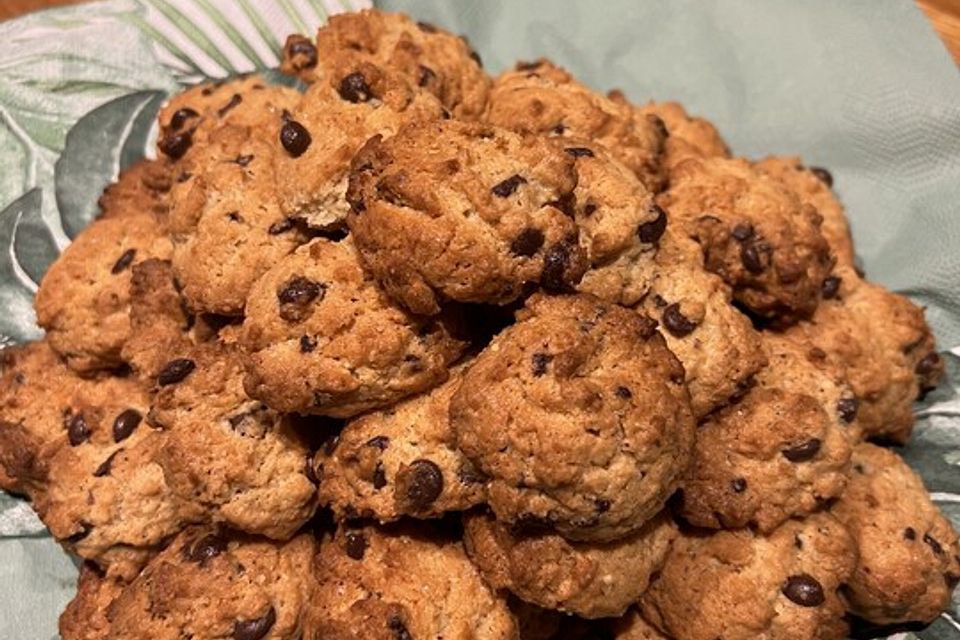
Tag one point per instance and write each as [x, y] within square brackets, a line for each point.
[424, 55]
[467, 212]
[687, 136]
[740, 585]
[402, 581]
[142, 188]
[592, 580]
[400, 461]
[85, 617]
[323, 339]
[579, 415]
[542, 98]
[769, 457]
[909, 555]
[754, 232]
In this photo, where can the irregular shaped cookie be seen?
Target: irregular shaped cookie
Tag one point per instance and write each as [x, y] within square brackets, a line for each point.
[771, 456]
[84, 298]
[717, 345]
[740, 585]
[542, 98]
[85, 617]
[209, 584]
[323, 339]
[813, 186]
[586, 579]
[423, 54]
[468, 212]
[909, 555]
[144, 187]
[402, 581]
[579, 415]
[400, 462]
[687, 136]
[754, 233]
[321, 135]
[80, 450]
[246, 465]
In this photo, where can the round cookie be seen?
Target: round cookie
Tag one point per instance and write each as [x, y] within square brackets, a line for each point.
[424, 55]
[754, 233]
[771, 456]
[84, 298]
[813, 185]
[243, 463]
[399, 462]
[741, 585]
[909, 555]
[687, 136]
[586, 579]
[209, 584]
[579, 415]
[468, 212]
[542, 98]
[717, 345]
[323, 339]
[402, 581]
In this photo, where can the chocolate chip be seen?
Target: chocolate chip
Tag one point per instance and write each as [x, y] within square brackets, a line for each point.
[175, 371]
[647, 326]
[753, 256]
[281, 227]
[307, 344]
[508, 186]
[559, 129]
[180, 117]
[476, 58]
[523, 65]
[104, 468]
[184, 176]
[379, 442]
[742, 231]
[909, 533]
[555, 264]
[175, 145]
[234, 216]
[420, 484]
[426, 27]
[527, 243]
[125, 424]
[589, 208]
[739, 485]
[623, 392]
[803, 451]
[804, 590]
[658, 124]
[295, 138]
[379, 477]
[567, 203]
[427, 76]
[847, 408]
[355, 545]
[124, 261]
[255, 629]
[602, 505]
[823, 175]
[933, 543]
[650, 232]
[244, 160]
[928, 364]
[304, 52]
[310, 471]
[579, 152]
[299, 290]
[830, 287]
[354, 88]
[234, 101]
[205, 549]
[78, 431]
[675, 322]
[540, 362]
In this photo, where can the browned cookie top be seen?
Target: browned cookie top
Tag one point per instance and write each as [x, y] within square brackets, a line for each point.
[740, 585]
[909, 555]
[579, 415]
[687, 136]
[542, 98]
[468, 212]
[324, 339]
[425, 55]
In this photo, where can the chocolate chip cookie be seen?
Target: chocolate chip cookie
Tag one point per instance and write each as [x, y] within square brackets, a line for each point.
[402, 581]
[909, 556]
[323, 339]
[687, 136]
[597, 378]
[754, 233]
[85, 617]
[423, 54]
[771, 456]
[466, 212]
[740, 585]
[592, 580]
[542, 98]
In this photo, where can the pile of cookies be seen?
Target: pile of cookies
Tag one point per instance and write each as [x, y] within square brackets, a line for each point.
[417, 354]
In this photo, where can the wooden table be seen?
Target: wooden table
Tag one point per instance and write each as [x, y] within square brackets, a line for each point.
[945, 15]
